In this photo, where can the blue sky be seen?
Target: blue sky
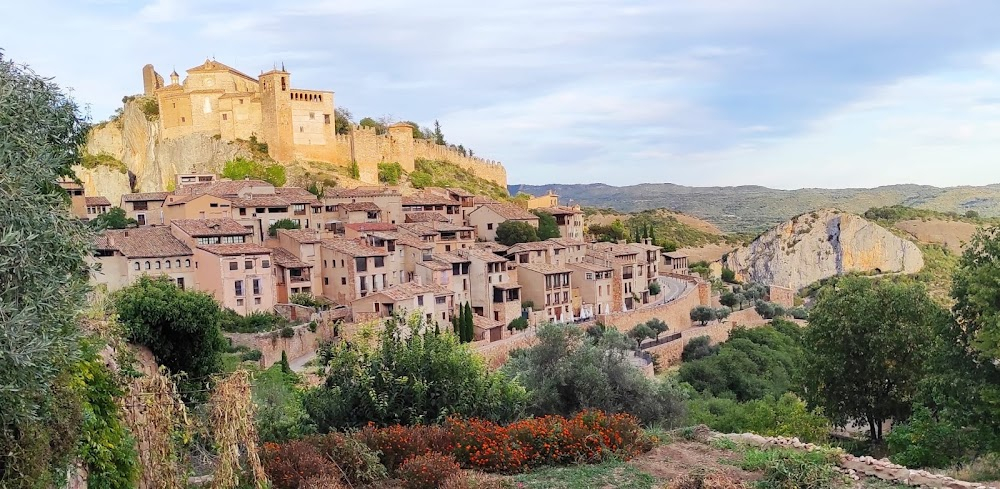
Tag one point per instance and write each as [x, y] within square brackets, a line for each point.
[783, 93]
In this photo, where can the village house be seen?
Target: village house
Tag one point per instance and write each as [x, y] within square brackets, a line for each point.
[593, 284]
[675, 262]
[352, 269]
[430, 202]
[304, 246]
[239, 276]
[537, 252]
[576, 249]
[97, 206]
[78, 202]
[194, 232]
[629, 284]
[548, 287]
[291, 275]
[568, 219]
[387, 199]
[487, 217]
[145, 207]
[495, 291]
[550, 199]
[433, 302]
[124, 255]
[202, 206]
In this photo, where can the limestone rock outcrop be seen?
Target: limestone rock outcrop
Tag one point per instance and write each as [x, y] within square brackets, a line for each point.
[134, 140]
[822, 244]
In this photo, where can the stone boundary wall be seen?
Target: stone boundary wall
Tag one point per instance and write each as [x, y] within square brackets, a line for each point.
[271, 344]
[782, 296]
[496, 353]
[856, 467]
[676, 313]
[670, 353]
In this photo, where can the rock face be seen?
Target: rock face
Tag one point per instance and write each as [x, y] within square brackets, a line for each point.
[822, 244]
[134, 140]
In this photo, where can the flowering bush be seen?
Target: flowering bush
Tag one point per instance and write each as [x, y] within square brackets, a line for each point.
[290, 464]
[485, 446]
[399, 443]
[358, 463]
[427, 471]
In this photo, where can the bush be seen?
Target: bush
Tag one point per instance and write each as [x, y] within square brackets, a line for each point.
[358, 463]
[290, 464]
[308, 300]
[272, 230]
[769, 310]
[278, 398]
[474, 480]
[923, 441]
[255, 322]
[728, 276]
[519, 323]
[287, 332]
[702, 314]
[798, 313]
[251, 356]
[654, 288]
[428, 471]
[395, 444]
[784, 416]
[444, 378]
[698, 347]
[313, 326]
[389, 173]
[242, 168]
[793, 468]
[421, 179]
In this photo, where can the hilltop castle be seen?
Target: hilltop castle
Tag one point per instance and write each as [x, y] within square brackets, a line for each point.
[296, 124]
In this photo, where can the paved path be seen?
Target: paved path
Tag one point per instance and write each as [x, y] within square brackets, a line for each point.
[299, 364]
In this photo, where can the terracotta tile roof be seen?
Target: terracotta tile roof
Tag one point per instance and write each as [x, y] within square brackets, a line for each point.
[360, 206]
[481, 254]
[260, 200]
[235, 249]
[353, 247]
[301, 235]
[227, 188]
[415, 243]
[410, 290]
[435, 264]
[483, 322]
[480, 199]
[448, 226]
[427, 198]
[567, 242]
[337, 192]
[213, 65]
[675, 254]
[461, 192]
[508, 211]
[145, 242]
[507, 285]
[561, 210]
[418, 229]
[363, 227]
[199, 228]
[491, 246]
[544, 268]
[616, 249]
[590, 267]
[97, 201]
[296, 195]
[145, 196]
[450, 257]
[285, 259]
[425, 216]
[534, 246]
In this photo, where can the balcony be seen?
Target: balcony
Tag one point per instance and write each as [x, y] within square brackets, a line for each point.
[303, 275]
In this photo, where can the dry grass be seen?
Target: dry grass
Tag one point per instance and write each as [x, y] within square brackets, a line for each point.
[700, 479]
[156, 416]
[232, 418]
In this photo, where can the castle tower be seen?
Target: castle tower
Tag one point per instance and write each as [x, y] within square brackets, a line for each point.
[402, 140]
[276, 114]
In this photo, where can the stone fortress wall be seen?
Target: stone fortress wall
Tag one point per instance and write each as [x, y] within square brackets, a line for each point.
[296, 124]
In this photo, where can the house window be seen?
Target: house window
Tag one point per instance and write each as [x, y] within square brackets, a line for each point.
[135, 266]
[147, 265]
[239, 302]
[361, 263]
[243, 211]
[256, 286]
[343, 280]
[439, 300]
[301, 129]
[234, 266]
[248, 264]
[183, 119]
[489, 225]
[379, 261]
[256, 300]
[265, 264]
[326, 118]
[239, 288]
[420, 300]
[140, 206]
[225, 117]
[167, 264]
[187, 263]
[180, 283]
[214, 204]
[326, 280]
[590, 276]
[312, 115]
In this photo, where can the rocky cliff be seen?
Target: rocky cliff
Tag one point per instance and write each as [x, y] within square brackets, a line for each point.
[134, 140]
[822, 244]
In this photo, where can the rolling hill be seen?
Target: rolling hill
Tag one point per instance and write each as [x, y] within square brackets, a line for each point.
[747, 208]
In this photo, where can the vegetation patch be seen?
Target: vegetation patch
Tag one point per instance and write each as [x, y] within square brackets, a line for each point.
[437, 173]
[92, 161]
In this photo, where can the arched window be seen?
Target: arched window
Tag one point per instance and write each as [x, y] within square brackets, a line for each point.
[135, 266]
[178, 263]
[147, 265]
[167, 264]
[158, 265]
[187, 263]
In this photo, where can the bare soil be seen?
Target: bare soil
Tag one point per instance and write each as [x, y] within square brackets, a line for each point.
[952, 234]
[709, 252]
[674, 461]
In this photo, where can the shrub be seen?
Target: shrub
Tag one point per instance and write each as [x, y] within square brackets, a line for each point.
[784, 416]
[702, 479]
[272, 230]
[279, 416]
[389, 173]
[793, 468]
[923, 441]
[473, 480]
[242, 168]
[251, 356]
[519, 323]
[420, 179]
[313, 326]
[290, 464]
[728, 276]
[698, 347]
[322, 482]
[308, 300]
[357, 462]
[654, 288]
[255, 322]
[798, 313]
[287, 332]
[395, 444]
[427, 471]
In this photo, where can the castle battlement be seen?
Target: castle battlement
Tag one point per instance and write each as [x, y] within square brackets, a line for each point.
[296, 123]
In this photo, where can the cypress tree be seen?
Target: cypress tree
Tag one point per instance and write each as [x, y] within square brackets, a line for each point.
[285, 367]
[468, 327]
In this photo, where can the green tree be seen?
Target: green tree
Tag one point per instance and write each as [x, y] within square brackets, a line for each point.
[354, 171]
[547, 227]
[113, 219]
[342, 120]
[641, 332]
[970, 214]
[438, 135]
[866, 346]
[43, 278]
[518, 324]
[241, 168]
[654, 288]
[409, 375]
[728, 299]
[180, 327]
[389, 173]
[373, 124]
[721, 313]
[510, 233]
[697, 348]
[728, 276]
[567, 371]
[272, 230]
[468, 324]
[658, 326]
[769, 310]
[702, 314]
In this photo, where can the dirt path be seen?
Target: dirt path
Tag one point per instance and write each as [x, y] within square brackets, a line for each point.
[671, 462]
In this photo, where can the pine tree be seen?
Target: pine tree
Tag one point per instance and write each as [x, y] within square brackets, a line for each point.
[438, 135]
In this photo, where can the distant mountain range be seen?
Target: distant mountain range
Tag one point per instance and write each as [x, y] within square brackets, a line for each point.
[748, 208]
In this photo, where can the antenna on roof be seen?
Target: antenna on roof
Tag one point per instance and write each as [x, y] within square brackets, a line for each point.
[282, 66]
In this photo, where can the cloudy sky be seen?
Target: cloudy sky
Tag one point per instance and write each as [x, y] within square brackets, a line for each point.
[783, 93]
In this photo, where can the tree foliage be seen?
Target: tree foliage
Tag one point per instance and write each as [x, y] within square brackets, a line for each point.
[113, 219]
[567, 371]
[43, 277]
[609, 233]
[866, 346]
[702, 314]
[751, 364]
[510, 233]
[272, 230]
[783, 415]
[409, 374]
[654, 288]
[342, 120]
[697, 348]
[547, 227]
[241, 168]
[389, 173]
[180, 327]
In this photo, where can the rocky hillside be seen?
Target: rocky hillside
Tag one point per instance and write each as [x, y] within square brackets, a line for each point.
[753, 207]
[821, 244]
[132, 139]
